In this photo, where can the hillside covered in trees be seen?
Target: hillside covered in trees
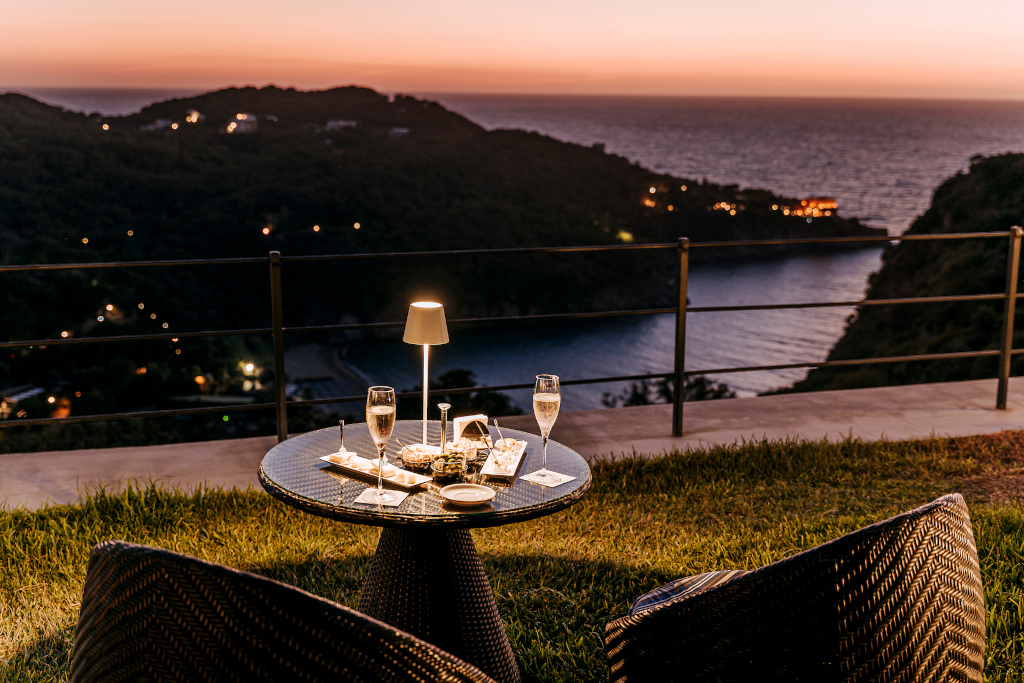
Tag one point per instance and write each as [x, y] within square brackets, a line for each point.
[241, 172]
[989, 197]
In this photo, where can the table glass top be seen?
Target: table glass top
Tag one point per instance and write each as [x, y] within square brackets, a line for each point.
[293, 472]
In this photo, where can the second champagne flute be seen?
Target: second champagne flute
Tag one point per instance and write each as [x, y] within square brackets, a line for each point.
[547, 397]
[380, 420]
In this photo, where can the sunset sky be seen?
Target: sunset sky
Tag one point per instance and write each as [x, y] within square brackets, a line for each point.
[888, 48]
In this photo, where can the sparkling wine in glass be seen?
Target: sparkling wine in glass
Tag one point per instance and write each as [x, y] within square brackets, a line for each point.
[546, 400]
[380, 420]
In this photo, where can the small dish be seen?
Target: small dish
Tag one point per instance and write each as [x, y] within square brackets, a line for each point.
[467, 494]
[448, 466]
[418, 456]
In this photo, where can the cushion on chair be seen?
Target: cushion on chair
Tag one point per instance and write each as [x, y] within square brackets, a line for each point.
[688, 585]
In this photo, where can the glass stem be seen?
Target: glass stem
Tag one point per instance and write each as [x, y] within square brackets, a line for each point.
[544, 453]
[380, 469]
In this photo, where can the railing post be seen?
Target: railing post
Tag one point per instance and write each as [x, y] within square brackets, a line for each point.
[1005, 355]
[680, 350]
[278, 322]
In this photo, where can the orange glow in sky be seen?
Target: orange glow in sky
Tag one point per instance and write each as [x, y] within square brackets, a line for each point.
[888, 48]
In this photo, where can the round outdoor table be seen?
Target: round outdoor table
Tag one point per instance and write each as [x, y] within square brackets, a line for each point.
[426, 577]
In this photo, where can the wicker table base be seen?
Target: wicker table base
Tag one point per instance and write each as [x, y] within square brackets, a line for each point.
[430, 583]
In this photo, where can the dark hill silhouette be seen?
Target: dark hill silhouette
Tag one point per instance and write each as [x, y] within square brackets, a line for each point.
[990, 197]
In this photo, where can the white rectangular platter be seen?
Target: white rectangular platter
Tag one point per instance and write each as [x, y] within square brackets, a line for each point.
[488, 469]
[359, 465]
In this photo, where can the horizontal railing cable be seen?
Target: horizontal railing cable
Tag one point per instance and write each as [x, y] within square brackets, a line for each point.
[132, 264]
[796, 241]
[862, 302]
[108, 417]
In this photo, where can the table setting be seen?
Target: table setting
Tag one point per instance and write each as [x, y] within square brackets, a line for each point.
[426, 490]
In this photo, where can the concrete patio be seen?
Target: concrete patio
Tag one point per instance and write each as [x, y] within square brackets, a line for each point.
[918, 411]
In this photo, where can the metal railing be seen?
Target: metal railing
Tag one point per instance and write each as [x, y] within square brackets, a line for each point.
[678, 375]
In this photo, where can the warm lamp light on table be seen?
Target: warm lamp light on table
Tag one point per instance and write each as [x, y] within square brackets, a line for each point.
[426, 326]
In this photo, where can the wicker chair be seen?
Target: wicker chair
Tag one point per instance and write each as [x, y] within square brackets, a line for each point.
[153, 615]
[900, 600]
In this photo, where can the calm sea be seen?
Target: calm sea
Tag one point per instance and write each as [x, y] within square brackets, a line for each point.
[881, 159]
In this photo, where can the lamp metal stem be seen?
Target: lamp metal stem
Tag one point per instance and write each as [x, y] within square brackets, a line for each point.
[426, 354]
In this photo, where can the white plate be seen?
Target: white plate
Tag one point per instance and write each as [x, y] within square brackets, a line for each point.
[467, 494]
[358, 465]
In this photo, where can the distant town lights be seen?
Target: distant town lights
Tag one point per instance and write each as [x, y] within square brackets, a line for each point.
[683, 188]
[152, 316]
[110, 307]
[85, 240]
[131, 232]
[316, 228]
[51, 399]
[64, 334]
[266, 231]
[165, 326]
[174, 126]
[141, 306]
[99, 318]
[356, 226]
[200, 380]
[106, 127]
[653, 190]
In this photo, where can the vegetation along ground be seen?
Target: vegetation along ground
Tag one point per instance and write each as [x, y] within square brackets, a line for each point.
[559, 579]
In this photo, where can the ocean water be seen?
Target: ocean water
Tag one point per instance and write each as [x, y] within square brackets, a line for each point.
[881, 159]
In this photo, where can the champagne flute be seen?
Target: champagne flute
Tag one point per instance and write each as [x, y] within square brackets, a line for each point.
[546, 400]
[380, 420]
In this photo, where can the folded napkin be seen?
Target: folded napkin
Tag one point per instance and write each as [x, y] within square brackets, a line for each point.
[367, 497]
[562, 479]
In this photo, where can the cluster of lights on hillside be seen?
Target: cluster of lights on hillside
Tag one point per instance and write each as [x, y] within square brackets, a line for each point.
[650, 202]
[811, 208]
[726, 206]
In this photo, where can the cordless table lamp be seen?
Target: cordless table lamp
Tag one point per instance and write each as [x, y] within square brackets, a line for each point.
[426, 326]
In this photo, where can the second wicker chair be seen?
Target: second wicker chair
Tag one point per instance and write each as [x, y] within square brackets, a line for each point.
[153, 615]
[900, 600]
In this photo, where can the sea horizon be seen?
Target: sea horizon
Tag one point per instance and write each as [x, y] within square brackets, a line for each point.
[83, 99]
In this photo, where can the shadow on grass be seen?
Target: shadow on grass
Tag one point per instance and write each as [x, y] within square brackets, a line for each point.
[47, 659]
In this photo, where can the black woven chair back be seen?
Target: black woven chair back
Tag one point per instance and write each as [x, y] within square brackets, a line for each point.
[153, 615]
[900, 600]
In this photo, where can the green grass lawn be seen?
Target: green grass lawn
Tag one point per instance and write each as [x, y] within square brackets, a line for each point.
[559, 579]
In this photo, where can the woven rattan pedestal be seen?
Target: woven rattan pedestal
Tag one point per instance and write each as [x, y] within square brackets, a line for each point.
[426, 577]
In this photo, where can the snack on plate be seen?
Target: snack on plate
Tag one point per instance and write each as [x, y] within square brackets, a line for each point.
[406, 478]
[389, 470]
[346, 458]
[510, 445]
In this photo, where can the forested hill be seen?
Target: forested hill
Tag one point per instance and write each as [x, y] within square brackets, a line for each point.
[339, 171]
[990, 197]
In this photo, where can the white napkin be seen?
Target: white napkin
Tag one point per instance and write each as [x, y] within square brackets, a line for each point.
[368, 497]
[562, 479]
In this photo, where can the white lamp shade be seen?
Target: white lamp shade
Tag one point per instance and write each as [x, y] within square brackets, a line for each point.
[426, 324]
